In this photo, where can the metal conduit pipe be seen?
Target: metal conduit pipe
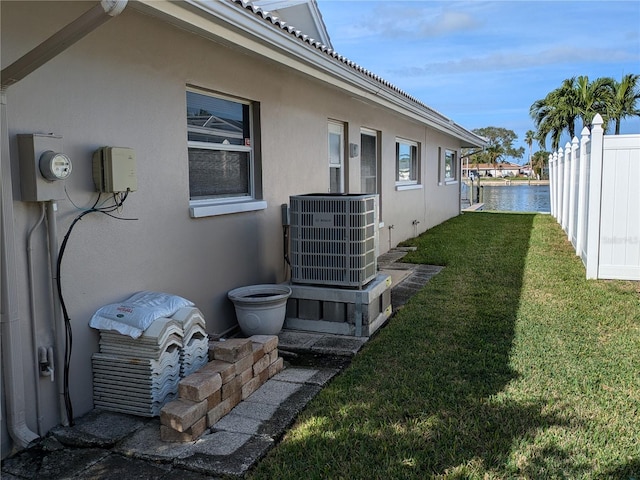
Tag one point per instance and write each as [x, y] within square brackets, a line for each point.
[32, 311]
[12, 366]
[58, 320]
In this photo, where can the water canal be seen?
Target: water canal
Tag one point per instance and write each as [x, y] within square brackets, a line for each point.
[516, 198]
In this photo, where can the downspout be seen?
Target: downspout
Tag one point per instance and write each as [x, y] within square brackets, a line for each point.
[12, 366]
[13, 371]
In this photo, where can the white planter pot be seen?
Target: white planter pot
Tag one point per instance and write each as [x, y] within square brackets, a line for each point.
[260, 309]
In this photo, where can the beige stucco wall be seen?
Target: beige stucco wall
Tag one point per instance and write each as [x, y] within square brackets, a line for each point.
[124, 85]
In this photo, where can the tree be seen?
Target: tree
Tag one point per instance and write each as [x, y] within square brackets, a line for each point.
[594, 97]
[539, 160]
[626, 94]
[555, 113]
[577, 97]
[499, 145]
[529, 137]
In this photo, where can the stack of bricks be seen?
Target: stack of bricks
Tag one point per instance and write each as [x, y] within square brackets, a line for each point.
[237, 368]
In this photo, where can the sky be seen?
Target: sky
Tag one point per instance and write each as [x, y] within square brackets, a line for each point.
[483, 63]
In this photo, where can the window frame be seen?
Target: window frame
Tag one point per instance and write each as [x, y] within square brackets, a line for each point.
[376, 135]
[335, 127]
[414, 177]
[210, 206]
[454, 166]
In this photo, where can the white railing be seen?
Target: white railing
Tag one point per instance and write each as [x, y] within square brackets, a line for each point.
[595, 197]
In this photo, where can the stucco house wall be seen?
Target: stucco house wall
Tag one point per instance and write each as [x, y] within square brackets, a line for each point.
[124, 85]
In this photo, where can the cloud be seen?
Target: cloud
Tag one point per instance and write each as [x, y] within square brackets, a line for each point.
[448, 22]
[404, 21]
[515, 60]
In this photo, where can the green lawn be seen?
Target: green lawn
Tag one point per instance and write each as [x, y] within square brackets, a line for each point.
[508, 364]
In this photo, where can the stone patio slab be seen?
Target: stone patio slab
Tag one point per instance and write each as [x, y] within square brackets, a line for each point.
[297, 340]
[338, 345]
[219, 443]
[273, 392]
[238, 424]
[236, 464]
[56, 465]
[307, 375]
[295, 375]
[147, 445]
[99, 428]
[287, 412]
[259, 411]
[118, 467]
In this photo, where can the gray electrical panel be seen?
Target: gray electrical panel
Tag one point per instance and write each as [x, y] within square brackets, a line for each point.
[34, 186]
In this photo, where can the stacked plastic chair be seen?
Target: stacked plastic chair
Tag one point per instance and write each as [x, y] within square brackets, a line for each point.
[138, 376]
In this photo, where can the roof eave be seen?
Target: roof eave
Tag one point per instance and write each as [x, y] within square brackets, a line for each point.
[233, 24]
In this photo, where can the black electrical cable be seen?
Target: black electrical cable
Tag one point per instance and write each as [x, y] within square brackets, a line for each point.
[106, 210]
[285, 242]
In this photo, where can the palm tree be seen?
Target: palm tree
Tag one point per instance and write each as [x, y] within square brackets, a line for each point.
[577, 97]
[549, 120]
[625, 97]
[529, 137]
[494, 152]
[539, 161]
[555, 113]
[594, 97]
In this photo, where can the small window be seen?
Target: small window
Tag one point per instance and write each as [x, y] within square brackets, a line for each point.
[369, 158]
[222, 152]
[406, 162]
[450, 170]
[336, 157]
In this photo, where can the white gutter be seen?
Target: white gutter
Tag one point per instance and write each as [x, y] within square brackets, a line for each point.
[12, 366]
[226, 22]
[10, 315]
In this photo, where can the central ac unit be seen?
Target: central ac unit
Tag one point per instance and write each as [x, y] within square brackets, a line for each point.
[334, 239]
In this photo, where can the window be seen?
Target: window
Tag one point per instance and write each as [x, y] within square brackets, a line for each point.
[450, 170]
[406, 162]
[223, 169]
[336, 157]
[369, 161]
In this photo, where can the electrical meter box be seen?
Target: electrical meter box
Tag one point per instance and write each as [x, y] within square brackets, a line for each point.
[114, 169]
[35, 185]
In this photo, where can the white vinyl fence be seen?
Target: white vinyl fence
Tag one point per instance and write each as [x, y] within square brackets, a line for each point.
[595, 197]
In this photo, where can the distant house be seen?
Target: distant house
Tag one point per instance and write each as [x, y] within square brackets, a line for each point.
[526, 169]
[229, 111]
[498, 170]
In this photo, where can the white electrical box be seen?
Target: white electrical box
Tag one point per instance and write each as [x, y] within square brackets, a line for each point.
[114, 169]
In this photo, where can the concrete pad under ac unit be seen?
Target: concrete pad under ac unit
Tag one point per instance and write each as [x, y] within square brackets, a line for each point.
[340, 311]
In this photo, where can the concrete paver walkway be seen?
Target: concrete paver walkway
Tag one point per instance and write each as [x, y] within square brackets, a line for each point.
[112, 446]
[108, 445]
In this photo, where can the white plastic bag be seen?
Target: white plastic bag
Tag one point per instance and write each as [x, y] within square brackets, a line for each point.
[133, 316]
